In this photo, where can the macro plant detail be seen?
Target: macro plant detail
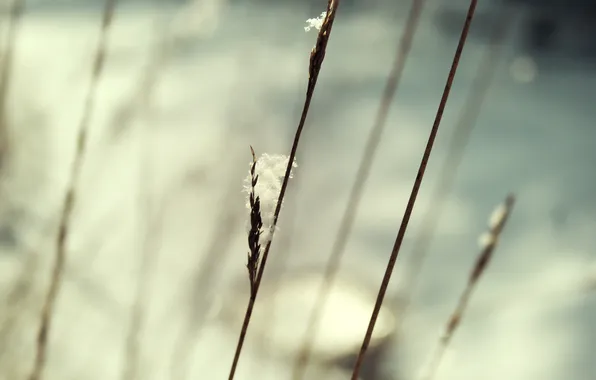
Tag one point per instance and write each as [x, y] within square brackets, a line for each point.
[123, 253]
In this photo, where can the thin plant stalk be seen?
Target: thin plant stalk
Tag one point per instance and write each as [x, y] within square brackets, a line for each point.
[498, 221]
[317, 56]
[414, 193]
[47, 312]
[347, 222]
[459, 140]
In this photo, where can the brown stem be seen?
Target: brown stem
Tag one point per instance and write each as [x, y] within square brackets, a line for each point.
[414, 193]
[478, 269]
[362, 175]
[69, 201]
[317, 56]
[459, 140]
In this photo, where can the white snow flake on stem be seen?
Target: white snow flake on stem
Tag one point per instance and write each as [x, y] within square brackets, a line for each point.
[316, 23]
[270, 170]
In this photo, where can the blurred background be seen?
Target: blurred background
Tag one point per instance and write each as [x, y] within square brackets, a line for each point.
[155, 283]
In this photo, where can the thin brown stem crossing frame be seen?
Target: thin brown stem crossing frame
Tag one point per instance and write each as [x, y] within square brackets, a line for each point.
[317, 57]
[414, 193]
[347, 222]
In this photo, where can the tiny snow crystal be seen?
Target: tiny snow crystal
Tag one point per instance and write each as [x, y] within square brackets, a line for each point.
[316, 23]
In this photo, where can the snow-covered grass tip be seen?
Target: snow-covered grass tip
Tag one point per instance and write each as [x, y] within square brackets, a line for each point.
[262, 187]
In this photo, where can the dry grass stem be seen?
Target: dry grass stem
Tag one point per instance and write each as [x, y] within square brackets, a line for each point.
[414, 193]
[317, 56]
[357, 189]
[489, 241]
[459, 140]
[69, 200]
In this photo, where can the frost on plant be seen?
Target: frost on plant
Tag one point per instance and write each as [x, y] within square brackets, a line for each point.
[265, 182]
[316, 23]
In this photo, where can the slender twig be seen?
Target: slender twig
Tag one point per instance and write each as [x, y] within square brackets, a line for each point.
[413, 195]
[362, 175]
[317, 56]
[70, 198]
[459, 140]
[497, 222]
